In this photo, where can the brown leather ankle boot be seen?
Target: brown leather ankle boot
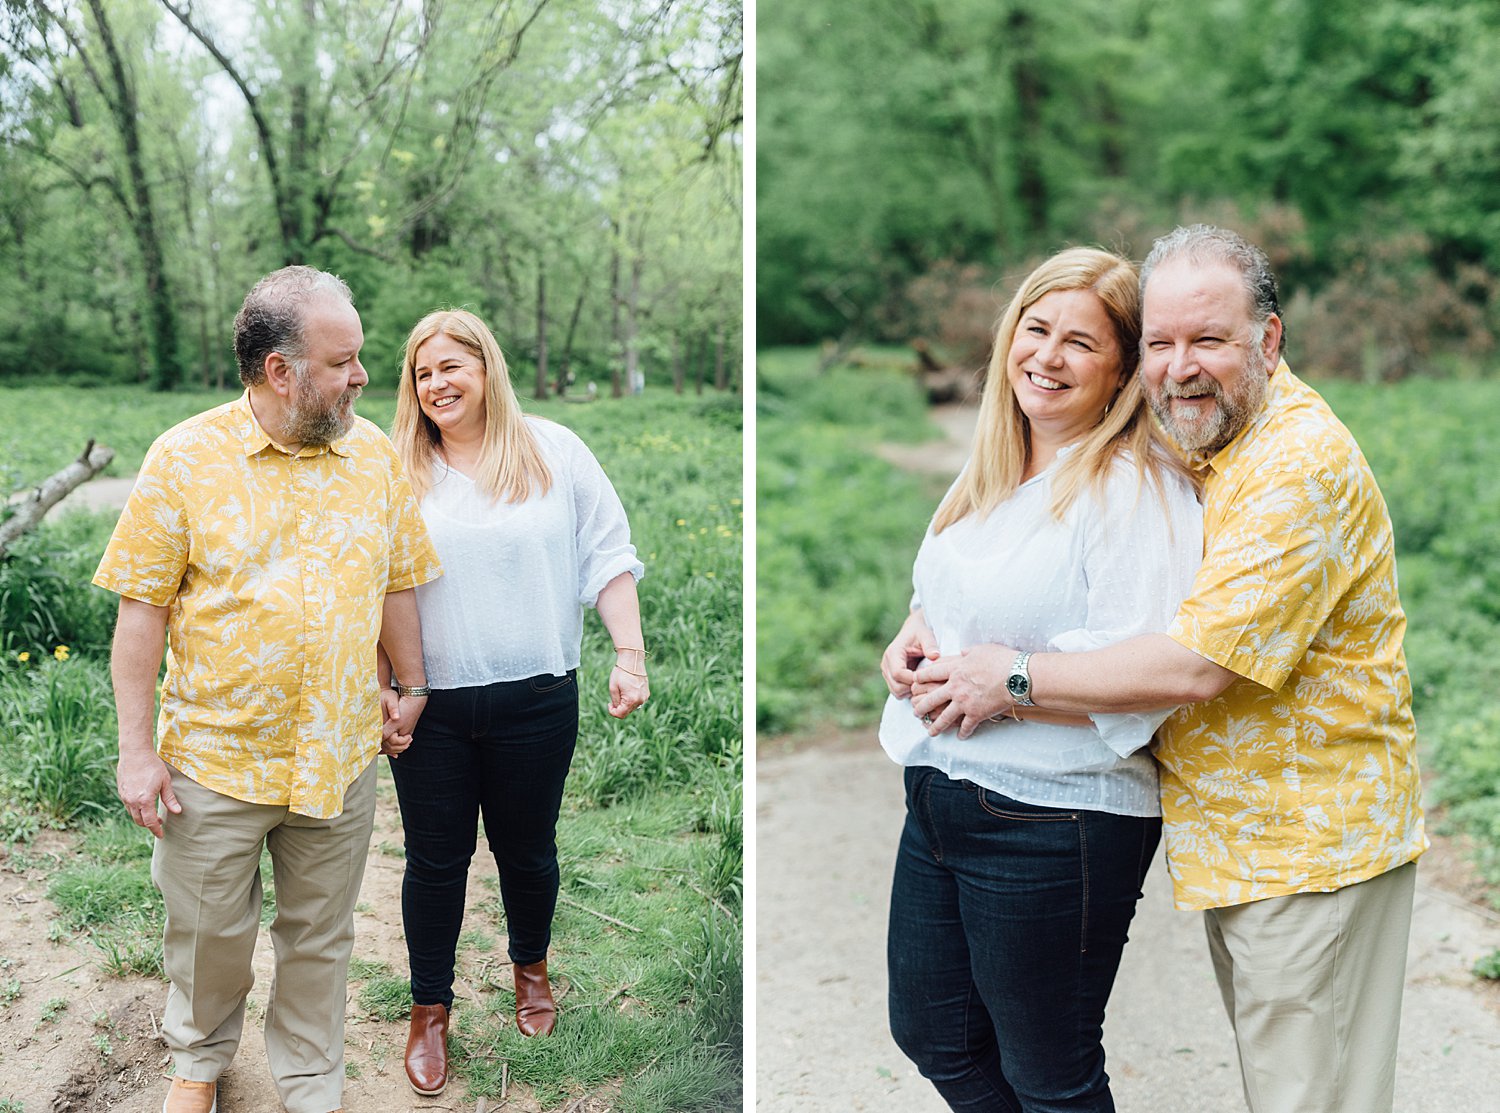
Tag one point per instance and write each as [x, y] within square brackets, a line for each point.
[427, 1049]
[536, 1012]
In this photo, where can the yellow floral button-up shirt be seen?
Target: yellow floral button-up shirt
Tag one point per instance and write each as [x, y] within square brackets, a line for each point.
[1302, 775]
[275, 567]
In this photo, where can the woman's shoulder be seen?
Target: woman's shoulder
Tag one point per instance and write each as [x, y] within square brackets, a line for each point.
[1128, 481]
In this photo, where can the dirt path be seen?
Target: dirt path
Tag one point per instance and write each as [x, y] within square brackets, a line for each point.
[101, 1051]
[828, 816]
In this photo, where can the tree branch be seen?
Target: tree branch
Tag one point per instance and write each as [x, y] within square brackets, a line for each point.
[31, 508]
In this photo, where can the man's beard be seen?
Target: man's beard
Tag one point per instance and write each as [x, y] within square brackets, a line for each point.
[1233, 409]
[312, 421]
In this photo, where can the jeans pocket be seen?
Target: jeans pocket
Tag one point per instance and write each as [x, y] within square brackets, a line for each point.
[1003, 807]
[547, 683]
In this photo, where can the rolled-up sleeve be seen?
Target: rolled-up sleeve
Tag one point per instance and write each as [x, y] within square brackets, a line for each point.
[602, 531]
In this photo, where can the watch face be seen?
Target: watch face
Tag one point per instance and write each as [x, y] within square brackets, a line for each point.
[1017, 685]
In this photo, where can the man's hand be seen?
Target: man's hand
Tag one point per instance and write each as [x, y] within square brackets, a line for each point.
[141, 777]
[912, 646]
[964, 691]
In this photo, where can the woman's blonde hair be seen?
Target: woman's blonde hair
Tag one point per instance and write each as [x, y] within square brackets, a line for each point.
[510, 462]
[1002, 441]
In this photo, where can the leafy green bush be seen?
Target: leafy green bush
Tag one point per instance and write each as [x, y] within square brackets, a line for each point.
[45, 600]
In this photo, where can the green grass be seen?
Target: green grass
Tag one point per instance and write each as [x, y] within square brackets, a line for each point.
[652, 969]
[58, 720]
[838, 531]
[652, 830]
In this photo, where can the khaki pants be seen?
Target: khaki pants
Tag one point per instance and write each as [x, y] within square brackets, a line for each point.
[1312, 983]
[207, 865]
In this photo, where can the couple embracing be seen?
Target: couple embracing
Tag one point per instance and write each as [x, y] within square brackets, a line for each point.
[1126, 631]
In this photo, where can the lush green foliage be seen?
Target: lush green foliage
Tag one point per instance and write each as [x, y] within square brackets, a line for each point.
[836, 534]
[570, 170]
[1355, 139]
[652, 833]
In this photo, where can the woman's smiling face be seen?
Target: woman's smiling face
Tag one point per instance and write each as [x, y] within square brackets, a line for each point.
[450, 384]
[1065, 364]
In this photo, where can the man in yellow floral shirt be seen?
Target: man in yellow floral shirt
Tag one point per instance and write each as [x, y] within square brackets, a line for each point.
[1289, 788]
[268, 544]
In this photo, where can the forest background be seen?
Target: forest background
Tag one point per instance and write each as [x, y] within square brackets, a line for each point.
[914, 164]
[569, 169]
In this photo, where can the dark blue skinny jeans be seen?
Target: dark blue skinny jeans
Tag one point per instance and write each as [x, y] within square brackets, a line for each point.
[500, 751]
[1007, 925]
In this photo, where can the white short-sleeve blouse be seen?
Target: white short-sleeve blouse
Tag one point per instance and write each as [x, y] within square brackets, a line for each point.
[516, 576]
[1116, 565]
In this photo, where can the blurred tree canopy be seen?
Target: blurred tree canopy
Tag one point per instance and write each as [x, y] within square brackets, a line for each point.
[569, 169]
[1358, 141]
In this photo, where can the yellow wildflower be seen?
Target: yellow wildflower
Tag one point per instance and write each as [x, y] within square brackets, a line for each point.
[23, 656]
[61, 653]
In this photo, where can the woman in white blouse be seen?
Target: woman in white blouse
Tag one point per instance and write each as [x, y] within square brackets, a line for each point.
[1026, 845]
[530, 531]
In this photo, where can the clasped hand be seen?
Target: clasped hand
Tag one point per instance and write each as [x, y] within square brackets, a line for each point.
[962, 690]
[399, 715]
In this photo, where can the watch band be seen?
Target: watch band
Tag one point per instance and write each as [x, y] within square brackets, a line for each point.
[1019, 683]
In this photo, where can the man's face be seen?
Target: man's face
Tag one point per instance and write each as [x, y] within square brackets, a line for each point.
[1204, 373]
[325, 386]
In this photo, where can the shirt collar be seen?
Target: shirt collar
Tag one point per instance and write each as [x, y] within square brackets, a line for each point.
[254, 439]
[1219, 461]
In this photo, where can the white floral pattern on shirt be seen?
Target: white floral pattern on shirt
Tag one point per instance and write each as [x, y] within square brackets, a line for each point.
[1302, 776]
[274, 567]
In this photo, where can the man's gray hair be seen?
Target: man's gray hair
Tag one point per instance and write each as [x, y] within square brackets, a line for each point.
[270, 320]
[1204, 243]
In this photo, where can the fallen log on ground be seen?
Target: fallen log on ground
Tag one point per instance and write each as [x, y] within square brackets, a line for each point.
[30, 508]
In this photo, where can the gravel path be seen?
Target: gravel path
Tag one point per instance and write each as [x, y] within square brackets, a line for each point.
[827, 821]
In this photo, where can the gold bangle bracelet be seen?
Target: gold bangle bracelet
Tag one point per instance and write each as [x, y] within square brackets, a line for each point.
[622, 668]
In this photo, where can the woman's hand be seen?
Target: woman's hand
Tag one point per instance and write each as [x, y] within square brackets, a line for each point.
[914, 645]
[628, 686]
[964, 690]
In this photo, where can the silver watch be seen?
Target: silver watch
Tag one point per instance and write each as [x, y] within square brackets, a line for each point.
[1018, 684]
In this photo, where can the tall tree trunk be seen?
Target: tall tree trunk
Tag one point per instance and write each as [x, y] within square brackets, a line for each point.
[700, 361]
[676, 362]
[720, 383]
[633, 381]
[1031, 95]
[565, 368]
[616, 340]
[161, 315]
[541, 331]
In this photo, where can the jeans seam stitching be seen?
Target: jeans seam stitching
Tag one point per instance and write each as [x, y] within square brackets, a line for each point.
[1083, 857]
